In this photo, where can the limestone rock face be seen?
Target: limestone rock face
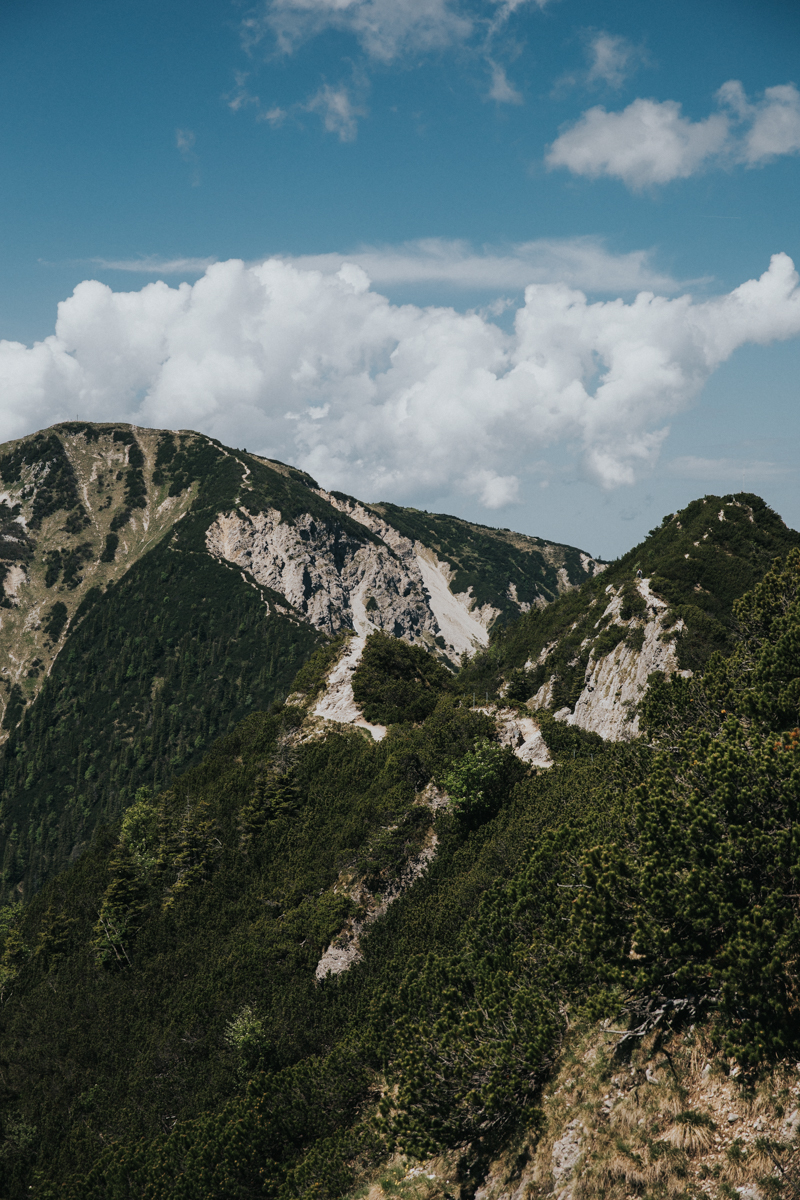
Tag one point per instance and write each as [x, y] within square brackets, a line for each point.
[338, 702]
[615, 683]
[566, 1153]
[338, 582]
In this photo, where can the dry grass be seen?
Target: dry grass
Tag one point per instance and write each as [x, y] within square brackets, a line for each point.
[691, 1135]
[656, 1126]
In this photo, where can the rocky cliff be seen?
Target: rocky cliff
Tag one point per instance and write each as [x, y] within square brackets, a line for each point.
[80, 504]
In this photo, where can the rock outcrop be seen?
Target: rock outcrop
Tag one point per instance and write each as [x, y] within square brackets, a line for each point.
[384, 580]
[339, 582]
[616, 682]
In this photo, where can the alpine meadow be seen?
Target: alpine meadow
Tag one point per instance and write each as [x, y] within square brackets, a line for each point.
[355, 851]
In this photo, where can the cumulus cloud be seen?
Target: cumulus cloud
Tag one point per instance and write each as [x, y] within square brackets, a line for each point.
[651, 142]
[774, 121]
[390, 400]
[581, 262]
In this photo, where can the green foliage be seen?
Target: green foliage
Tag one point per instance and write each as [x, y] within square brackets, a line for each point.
[109, 551]
[479, 782]
[15, 706]
[172, 656]
[310, 679]
[696, 562]
[635, 638]
[397, 682]
[164, 1035]
[633, 602]
[609, 639]
[568, 741]
[52, 489]
[135, 493]
[708, 882]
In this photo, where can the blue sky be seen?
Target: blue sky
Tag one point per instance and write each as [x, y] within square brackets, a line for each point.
[451, 153]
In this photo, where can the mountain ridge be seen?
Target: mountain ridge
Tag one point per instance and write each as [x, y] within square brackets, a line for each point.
[158, 586]
[334, 916]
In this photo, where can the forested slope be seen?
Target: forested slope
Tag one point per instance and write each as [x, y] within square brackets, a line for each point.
[163, 1031]
[156, 586]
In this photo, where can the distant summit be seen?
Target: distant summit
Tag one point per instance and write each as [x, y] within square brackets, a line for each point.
[665, 606]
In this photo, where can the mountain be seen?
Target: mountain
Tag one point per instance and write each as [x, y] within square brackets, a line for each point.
[666, 606]
[298, 907]
[386, 940]
[158, 586]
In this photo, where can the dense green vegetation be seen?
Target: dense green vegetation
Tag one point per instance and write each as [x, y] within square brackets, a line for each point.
[144, 687]
[163, 1034]
[162, 1030]
[397, 682]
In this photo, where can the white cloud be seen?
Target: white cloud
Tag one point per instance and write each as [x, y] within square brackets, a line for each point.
[736, 470]
[339, 113]
[610, 59]
[152, 265]
[387, 400]
[501, 89]
[774, 121]
[495, 491]
[185, 141]
[581, 262]
[647, 143]
[384, 28]
[651, 142]
[274, 116]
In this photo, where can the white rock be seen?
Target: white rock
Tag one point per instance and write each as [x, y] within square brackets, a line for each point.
[338, 702]
[790, 1126]
[567, 1151]
[521, 734]
[616, 683]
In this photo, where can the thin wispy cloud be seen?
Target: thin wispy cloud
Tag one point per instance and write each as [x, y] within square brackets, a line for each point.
[582, 262]
[501, 89]
[690, 466]
[185, 141]
[152, 265]
[340, 107]
[651, 142]
[338, 111]
[384, 29]
[611, 59]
